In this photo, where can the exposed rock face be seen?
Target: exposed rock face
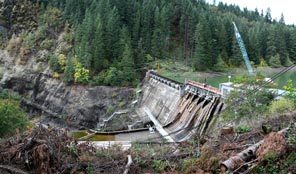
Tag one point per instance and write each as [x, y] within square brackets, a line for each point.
[80, 106]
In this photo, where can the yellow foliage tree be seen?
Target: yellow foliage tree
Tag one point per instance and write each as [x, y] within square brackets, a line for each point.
[81, 74]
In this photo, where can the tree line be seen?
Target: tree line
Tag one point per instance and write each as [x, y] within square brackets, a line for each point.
[115, 39]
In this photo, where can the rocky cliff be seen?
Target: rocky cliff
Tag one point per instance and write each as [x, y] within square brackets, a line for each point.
[80, 106]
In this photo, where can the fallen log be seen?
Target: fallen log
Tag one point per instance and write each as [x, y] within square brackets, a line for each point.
[244, 157]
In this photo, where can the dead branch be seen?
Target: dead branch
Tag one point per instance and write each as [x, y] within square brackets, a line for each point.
[129, 163]
[248, 163]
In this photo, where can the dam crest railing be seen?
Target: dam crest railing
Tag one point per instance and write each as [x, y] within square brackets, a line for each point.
[188, 87]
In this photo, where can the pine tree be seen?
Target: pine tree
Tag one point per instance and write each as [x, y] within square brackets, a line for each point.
[99, 61]
[262, 39]
[291, 45]
[111, 39]
[236, 59]
[136, 31]
[140, 56]
[270, 45]
[254, 48]
[84, 41]
[202, 57]
[147, 24]
[157, 37]
[268, 17]
[281, 43]
[127, 64]
[282, 19]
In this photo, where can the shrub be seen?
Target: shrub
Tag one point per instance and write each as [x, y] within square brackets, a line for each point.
[262, 63]
[220, 65]
[29, 41]
[291, 91]
[292, 135]
[12, 117]
[52, 18]
[81, 74]
[47, 44]
[113, 77]
[54, 63]
[14, 44]
[6, 94]
[69, 37]
[188, 165]
[275, 61]
[110, 109]
[40, 33]
[62, 61]
[55, 75]
[247, 103]
[98, 79]
[69, 71]
[243, 128]
[121, 104]
[281, 106]
[159, 165]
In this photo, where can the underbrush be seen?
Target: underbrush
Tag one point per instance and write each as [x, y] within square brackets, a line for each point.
[12, 117]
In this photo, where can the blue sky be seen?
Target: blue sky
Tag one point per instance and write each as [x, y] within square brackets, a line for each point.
[287, 7]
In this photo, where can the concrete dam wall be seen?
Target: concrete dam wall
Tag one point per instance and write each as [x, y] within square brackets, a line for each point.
[177, 110]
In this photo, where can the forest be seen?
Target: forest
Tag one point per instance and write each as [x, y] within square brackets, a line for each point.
[114, 41]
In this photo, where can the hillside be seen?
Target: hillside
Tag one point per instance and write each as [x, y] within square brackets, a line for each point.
[112, 41]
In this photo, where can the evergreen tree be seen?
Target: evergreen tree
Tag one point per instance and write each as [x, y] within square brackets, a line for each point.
[275, 61]
[281, 44]
[236, 59]
[147, 24]
[84, 40]
[262, 39]
[127, 64]
[202, 57]
[291, 45]
[254, 45]
[109, 33]
[140, 55]
[220, 65]
[112, 32]
[270, 45]
[268, 17]
[282, 19]
[69, 71]
[157, 37]
[136, 31]
[99, 61]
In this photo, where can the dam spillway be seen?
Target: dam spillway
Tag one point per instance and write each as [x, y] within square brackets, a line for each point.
[177, 111]
[180, 110]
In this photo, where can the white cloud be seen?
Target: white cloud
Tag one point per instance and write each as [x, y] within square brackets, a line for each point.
[287, 7]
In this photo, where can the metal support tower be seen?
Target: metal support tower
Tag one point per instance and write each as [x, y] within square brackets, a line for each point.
[243, 50]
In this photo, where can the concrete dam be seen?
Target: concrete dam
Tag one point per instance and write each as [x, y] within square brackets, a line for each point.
[177, 110]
